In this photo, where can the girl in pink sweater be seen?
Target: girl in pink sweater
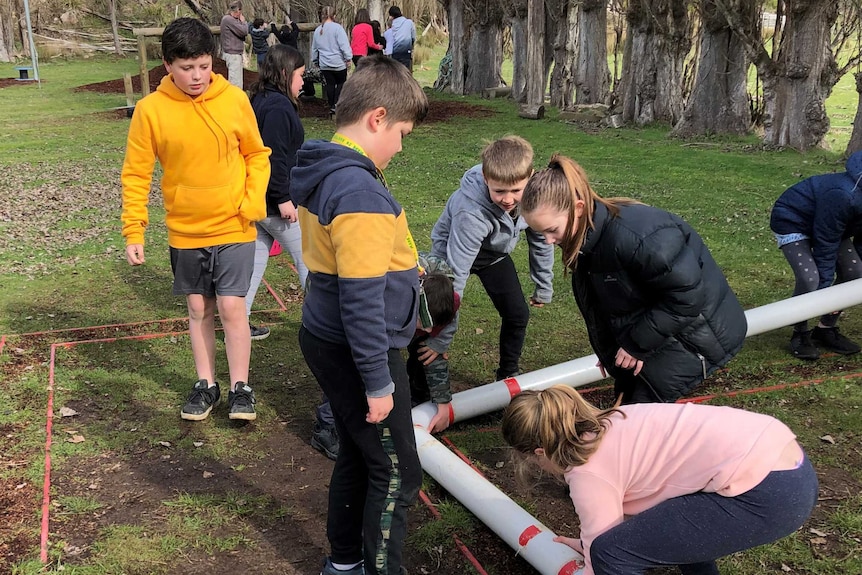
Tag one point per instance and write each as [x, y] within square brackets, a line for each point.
[362, 36]
[665, 484]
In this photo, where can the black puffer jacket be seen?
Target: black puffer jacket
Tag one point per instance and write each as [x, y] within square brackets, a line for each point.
[645, 281]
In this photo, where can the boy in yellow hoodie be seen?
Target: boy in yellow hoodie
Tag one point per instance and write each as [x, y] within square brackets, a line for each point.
[203, 132]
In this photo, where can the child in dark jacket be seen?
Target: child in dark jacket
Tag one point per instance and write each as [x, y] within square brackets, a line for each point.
[360, 311]
[818, 226]
[659, 312]
[273, 99]
[288, 34]
[259, 31]
[428, 372]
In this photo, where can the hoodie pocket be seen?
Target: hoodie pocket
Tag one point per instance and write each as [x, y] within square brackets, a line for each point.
[200, 211]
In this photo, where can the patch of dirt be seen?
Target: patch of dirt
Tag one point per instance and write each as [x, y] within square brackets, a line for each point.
[18, 499]
[6, 82]
[133, 486]
[439, 111]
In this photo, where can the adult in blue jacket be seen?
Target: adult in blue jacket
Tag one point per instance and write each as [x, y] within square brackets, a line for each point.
[817, 224]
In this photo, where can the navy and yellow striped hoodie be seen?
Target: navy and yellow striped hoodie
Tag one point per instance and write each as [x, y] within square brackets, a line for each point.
[363, 283]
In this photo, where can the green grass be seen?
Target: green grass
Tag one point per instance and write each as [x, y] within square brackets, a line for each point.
[62, 266]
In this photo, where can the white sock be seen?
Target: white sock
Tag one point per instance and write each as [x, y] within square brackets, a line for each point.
[346, 566]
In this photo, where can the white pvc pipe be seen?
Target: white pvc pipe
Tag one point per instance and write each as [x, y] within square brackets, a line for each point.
[515, 526]
[806, 306]
[532, 540]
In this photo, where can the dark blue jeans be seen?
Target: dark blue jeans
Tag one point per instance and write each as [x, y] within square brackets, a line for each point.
[377, 474]
[694, 530]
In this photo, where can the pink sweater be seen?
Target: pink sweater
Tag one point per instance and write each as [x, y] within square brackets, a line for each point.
[361, 38]
[660, 451]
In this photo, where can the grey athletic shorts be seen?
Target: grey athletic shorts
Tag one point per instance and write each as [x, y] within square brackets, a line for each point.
[219, 270]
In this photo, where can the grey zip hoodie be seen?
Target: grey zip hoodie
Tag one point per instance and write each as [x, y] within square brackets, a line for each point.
[473, 232]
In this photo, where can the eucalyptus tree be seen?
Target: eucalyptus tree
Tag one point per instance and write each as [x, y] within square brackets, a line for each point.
[8, 18]
[799, 65]
[719, 102]
[657, 42]
[590, 48]
[475, 44]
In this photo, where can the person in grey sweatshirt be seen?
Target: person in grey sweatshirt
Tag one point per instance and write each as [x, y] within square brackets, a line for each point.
[330, 50]
[477, 232]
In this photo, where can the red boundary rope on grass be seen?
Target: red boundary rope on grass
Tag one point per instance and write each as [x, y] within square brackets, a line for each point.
[46, 484]
[458, 543]
[46, 488]
[278, 300]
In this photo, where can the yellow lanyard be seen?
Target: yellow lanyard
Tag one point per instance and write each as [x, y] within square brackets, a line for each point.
[343, 140]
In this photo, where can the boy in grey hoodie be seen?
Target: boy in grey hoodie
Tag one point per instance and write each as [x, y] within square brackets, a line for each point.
[477, 231]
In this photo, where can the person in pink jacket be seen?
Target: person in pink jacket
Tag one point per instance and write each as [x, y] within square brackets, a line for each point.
[362, 36]
[657, 484]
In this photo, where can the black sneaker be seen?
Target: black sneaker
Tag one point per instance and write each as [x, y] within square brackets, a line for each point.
[831, 338]
[801, 346]
[241, 402]
[324, 438]
[201, 401]
[258, 332]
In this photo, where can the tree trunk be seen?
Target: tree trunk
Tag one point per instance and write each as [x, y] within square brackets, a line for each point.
[718, 103]
[562, 85]
[855, 143]
[796, 87]
[21, 29]
[589, 48]
[115, 31]
[484, 57]
[457, 33]
[375, 10]
[519, 58]
[7, 37]
[476, 46]
[535, 88]
[653, 61]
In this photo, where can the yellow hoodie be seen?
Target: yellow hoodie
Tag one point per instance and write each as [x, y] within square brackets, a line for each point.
[215, 165]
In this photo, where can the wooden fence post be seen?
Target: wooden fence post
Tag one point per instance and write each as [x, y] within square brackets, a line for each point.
[142, 57]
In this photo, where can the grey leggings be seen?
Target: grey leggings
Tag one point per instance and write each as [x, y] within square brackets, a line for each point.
[801, 260]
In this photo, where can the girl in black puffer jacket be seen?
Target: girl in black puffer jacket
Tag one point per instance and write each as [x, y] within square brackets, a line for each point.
[659, 312]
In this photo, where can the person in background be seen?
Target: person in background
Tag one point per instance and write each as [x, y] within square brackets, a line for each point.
[818, 226]
[387, 41]
[362, 36]
[330, 49]
[233, 33]
[659, 312]
[211, 203]
[288, 34]
[403, 37]
[259, 31]
[274, 100]
[378, 38]
[664, 484]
